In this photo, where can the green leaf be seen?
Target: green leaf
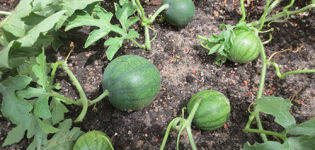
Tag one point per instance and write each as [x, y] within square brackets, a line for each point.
[41, 108]
[124, 12]
[31, 131]
[4, 54]
[278, 107]
[122, 2]
[301, 143]
[14, 136]
[58, 111]
[40, 70]
[64, 139]
[95, 36]
[132, 34]
[47, 24]
[72, 5]
[14, 24]
[305, 128]
[47, 128]
[114, 44]
[15, 109]
[270, 145]
[102, 19]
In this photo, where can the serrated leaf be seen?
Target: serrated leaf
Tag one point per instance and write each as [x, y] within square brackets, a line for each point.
[305, 128]
[95, 36]
[64, 139]
[102, 19]
[46, 128]
[14, 136]
[40, 139]
[122, 2]
[278, 107]
[270, 145]
[47, 24]
[132, 34]
[14, 108]
[301, 143]
[41, 107]
[123, 13]
[31, 131]
[72, 5]
[58, 111]
[14, 24]
[84, 19]
[4, 54]
[114, 44]
[40, 70]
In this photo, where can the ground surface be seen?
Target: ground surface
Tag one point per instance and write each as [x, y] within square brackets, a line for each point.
[186, 69]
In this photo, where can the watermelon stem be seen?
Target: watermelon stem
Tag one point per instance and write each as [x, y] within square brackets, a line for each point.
[99, 98]
[281, 136]
[243, 11]
[167, 132]
[183, 124]
[6, 13]
[282, 76]
[83, 101]
[283, 14]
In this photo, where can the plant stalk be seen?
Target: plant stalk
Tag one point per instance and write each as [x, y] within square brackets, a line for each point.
[83, 99]
[64, 99]
[255, 114]
[147, 38]
[5, 13]
[282, 14]
[282, 76]
[162, 8]
[191, 138]
[265, 132]
[243, 11]
[99, 98]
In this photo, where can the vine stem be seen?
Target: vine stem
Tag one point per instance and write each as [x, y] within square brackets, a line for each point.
[243, 11]
[282, 14]
[162, 8]
[263, 17]
[188, 123]
[282, 76]
[138, 44]
[255, 114]
[83, 99]
[146, 22]
[266, 132]
[5, 13]
[99, 98]
[64, 99]
[169, 127]
[147, 38]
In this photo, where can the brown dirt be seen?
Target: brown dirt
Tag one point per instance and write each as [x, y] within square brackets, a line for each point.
[186, 69]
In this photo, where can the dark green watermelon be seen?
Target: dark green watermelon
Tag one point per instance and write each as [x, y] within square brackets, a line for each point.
[213, 112]
[179, 13]
[132, 82]
[246, 46]
[93, 140]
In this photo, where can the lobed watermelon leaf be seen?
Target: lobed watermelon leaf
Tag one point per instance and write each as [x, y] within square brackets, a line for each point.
[100, 18]
[278, 107]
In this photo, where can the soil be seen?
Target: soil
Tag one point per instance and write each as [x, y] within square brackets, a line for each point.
[186, 69]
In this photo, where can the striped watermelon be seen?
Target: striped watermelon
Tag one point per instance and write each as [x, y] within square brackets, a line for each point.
[179, 13]
[93, 140]
[213, 112]
[132, 82]
[246, 46]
